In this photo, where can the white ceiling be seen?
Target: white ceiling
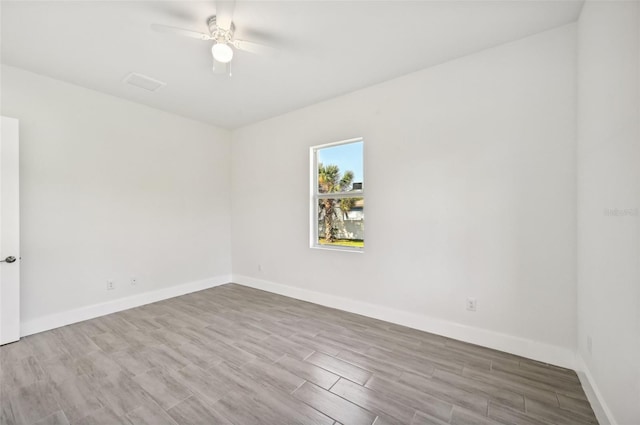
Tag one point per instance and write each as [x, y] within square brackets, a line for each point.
[326, 48]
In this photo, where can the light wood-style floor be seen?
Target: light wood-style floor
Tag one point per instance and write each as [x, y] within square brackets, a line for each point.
[235, 355]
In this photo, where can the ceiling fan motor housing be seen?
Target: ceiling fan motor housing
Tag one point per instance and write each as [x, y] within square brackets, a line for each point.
[219, 34]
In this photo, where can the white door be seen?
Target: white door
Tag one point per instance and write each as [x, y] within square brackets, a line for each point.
[9, 233]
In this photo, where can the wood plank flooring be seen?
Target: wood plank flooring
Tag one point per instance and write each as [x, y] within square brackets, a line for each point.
[236, 355]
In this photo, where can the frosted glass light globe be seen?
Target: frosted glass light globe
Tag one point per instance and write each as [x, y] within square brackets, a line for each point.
[222, 52]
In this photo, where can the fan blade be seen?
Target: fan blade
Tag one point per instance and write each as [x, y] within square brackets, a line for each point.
[224, 13]
[251, 47]
[179, 31]
[220, 68]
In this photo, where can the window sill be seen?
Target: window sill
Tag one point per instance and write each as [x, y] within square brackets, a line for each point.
[338, 248]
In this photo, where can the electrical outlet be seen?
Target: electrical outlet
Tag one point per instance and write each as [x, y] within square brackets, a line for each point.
[134, 281]
[471, 304]
[110, 285]
[589, 344]
[259, 267]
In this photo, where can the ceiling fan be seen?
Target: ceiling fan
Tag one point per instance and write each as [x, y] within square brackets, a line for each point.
[221, 32]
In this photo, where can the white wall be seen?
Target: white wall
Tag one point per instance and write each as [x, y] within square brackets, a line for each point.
[110, 190]
[609, 179]
[481, 151]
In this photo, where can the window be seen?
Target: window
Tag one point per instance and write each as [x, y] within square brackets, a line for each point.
[337, 195]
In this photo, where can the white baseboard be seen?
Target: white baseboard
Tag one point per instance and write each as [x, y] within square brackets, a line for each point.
[543, 352]
[64, 318]
[598, 404]
[508, 343]
[535, 350]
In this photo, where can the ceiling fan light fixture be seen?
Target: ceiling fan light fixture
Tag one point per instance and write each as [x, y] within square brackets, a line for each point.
[222, 52]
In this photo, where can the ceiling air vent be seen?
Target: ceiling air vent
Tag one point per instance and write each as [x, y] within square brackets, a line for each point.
[143, 82]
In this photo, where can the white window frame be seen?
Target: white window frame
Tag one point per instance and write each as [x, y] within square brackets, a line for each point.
[316, 196]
